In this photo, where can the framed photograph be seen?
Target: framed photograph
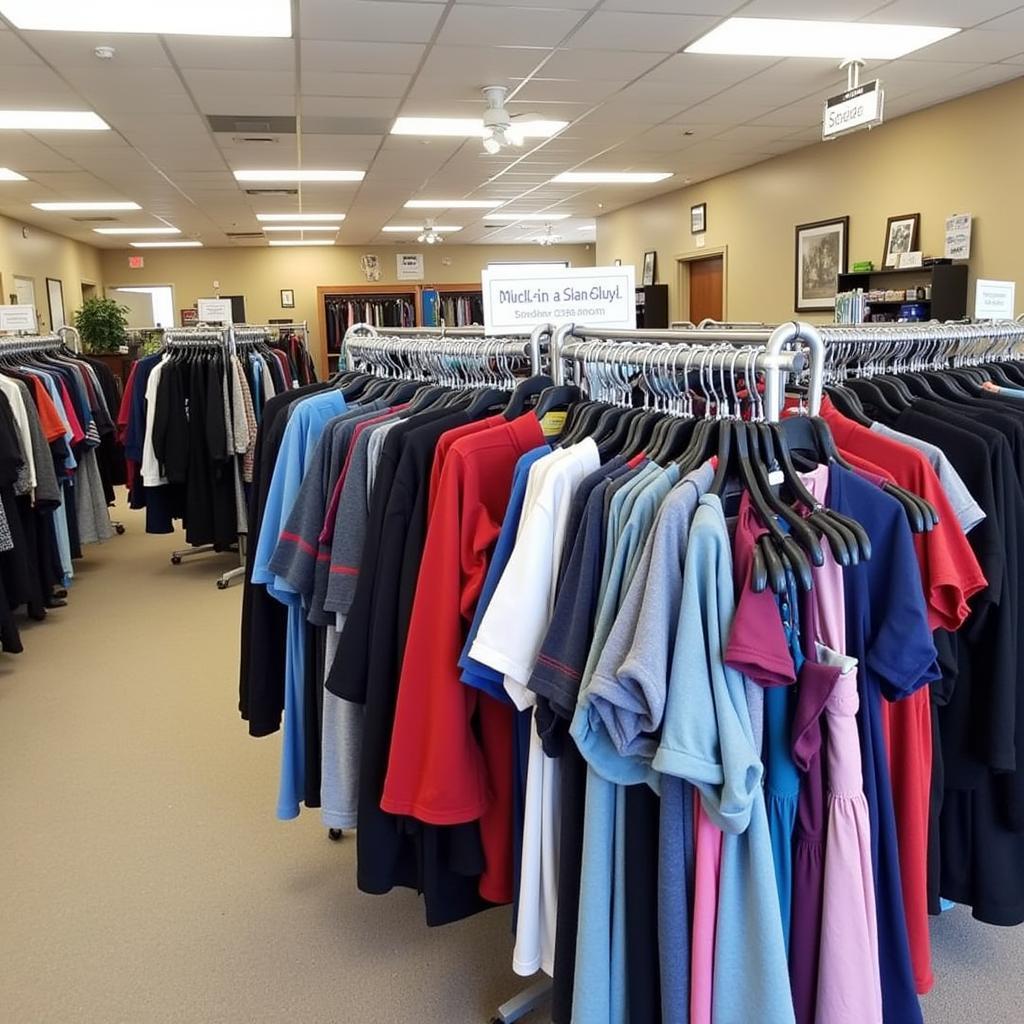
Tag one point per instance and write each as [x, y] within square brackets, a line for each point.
[822, 250]
[650, 267]
[287, 298]
[698, 219]
[900, 236]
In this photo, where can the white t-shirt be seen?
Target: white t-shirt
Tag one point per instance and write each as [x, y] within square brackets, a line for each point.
[152, 471]
[17, 403]
[509, 639]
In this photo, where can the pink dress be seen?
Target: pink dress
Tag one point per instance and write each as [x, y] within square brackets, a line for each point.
[849, 980]
[708, 866]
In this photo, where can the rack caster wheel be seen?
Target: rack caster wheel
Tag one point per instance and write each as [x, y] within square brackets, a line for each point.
[175, 560]
[119, 529]
[335, 835]
[222, 584]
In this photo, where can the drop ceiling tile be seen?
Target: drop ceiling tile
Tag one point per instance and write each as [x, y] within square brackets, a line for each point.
[469, 24]
[837, 10]
[941, 12]
[660, 33]
[374, 58]
[723, 108]
[708, 68]
[985, 77]
[217, 85]
[250, 106]
[793, 115]
[348, 106]
[600, 65]
[13, 52]
[565, 5]
[974, 45]
[77, 50]
[716, 7]
[558, 89]
[226, 53]
[483, 65]
[907, 75]
[369, 21]
[627, 113]
[342, 83]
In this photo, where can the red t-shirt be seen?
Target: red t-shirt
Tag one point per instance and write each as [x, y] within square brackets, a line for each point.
[444, 446]
[951, 575]
[451, 745]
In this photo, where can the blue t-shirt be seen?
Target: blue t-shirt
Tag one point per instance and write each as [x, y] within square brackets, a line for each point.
[887, 632]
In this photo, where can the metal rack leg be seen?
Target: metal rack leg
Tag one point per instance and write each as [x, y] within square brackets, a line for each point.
[182, 553]
[225, 579]
[525, 1002]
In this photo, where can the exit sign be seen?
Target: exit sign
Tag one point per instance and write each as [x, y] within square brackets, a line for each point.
[136, 262]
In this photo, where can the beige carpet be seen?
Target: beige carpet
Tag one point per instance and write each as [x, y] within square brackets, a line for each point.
[144, 878]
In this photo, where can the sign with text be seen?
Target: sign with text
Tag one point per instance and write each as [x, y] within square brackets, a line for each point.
[518, 299]
[994, 300]
[215, 311]
[17, 318]
[958, 237]
[409, 266]
[862, 107]
[136, 262]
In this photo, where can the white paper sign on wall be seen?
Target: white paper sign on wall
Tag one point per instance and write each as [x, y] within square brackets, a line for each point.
[409, 266]
[17, 318]
[215, 311]
[517, 299]
[994, 300]
[958, 237]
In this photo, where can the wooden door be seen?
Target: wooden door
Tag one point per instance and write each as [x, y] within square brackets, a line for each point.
[707, 281]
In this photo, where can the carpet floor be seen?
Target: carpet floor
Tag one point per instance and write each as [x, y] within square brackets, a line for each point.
[146, 880]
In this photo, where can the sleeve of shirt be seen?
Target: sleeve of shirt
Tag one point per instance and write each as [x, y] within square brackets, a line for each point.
[349, 535]
[436, 772]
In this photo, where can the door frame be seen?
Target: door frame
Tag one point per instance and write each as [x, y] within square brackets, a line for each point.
[683, 261]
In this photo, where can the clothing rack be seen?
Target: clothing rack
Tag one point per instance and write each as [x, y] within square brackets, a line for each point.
[573, 343]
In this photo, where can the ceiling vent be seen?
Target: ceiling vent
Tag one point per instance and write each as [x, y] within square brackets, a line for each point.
[96, 220]
[271, 191]
[245, 140]
[242, 236]
[240, 124]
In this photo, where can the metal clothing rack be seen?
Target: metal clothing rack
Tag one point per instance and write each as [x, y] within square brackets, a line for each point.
[646, 349]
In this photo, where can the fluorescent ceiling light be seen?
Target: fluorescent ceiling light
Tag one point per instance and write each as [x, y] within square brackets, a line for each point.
[84, 207]
[52, 121]
[403, 228]
[301, 227]
[611, 177]
[780, 37]
[453, 204]
[183, 17]
[166, 245]
[6, 174]
[472, 127]
[544, 217]
[299, 241]
[137, 231]
[266, 218]
[299, 175]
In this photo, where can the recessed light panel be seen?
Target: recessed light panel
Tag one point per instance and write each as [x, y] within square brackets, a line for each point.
[471, 127]
[183, 17]
[453, 204]
[166, 245]
[52, 121]
[779, 37]
[301, 227]
[544, 217]
[6, 174]
[405, 228]
[299, 241]
[269, 218]
[137, 231]
[612, 177]
[84, 207]
[292, 175]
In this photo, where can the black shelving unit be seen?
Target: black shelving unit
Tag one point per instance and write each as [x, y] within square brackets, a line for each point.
[652, 306]
[948, 283]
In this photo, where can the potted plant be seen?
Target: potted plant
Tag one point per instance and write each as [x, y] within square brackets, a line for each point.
[103, 325]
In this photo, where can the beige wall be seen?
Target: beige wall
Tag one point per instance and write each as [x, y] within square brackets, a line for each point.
[964, 156]
[42, 255]
[260, 273]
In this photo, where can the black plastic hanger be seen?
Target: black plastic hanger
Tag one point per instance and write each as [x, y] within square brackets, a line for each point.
[485, 400]
[558, 396]
[526, 390]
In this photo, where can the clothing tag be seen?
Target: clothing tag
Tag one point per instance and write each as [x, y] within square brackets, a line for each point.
[553, 423]
[776, 477]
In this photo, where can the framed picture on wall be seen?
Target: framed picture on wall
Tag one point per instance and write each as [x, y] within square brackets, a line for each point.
[822, 250]
[650, 267]
[900, 236]
[287, 298]
[55, 300]
[698, 219]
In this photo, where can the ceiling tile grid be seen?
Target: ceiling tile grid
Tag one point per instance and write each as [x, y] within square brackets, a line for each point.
[613, 69]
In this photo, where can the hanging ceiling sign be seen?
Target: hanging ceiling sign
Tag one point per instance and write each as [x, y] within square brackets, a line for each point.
[517, 299]
[861, 107]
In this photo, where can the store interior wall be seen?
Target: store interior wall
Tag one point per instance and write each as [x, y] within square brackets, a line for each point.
[38, 254]
[261, 273]
[964, 156]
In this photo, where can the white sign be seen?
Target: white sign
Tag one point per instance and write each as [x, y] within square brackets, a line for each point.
[215, 311]
[958, 237]
[994, 300]
[910, 260]
[517, 299]
[410, 266]
[17, 318]
[863, 107]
